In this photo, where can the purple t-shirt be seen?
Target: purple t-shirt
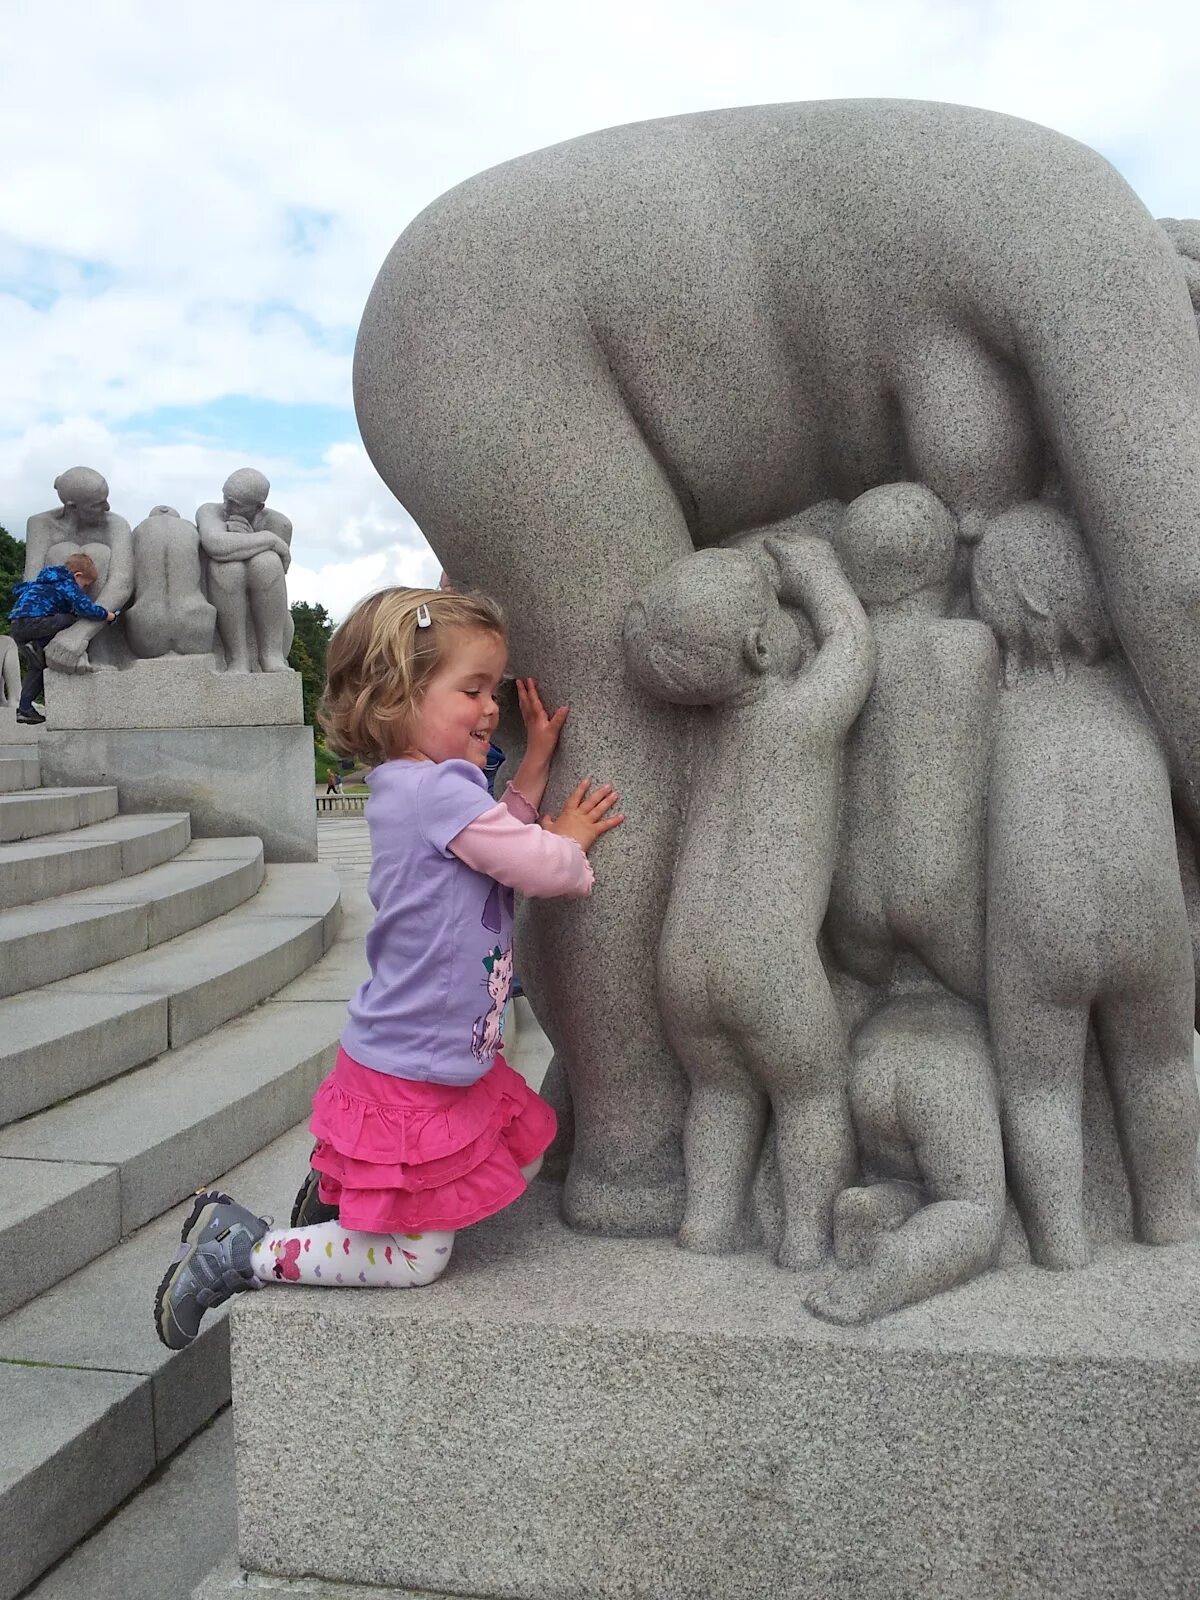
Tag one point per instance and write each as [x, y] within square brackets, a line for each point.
[440, 949]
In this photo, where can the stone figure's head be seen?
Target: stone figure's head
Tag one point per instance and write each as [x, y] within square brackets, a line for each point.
[1033, 583]
[896, 542]
[709, 629]
[245, 492]
[162, 511]
[85, 492]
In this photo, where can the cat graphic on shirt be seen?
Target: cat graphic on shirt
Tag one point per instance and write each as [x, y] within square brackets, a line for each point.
[487, 1034]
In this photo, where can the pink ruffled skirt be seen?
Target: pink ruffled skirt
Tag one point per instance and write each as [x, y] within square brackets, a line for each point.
[396, 1156]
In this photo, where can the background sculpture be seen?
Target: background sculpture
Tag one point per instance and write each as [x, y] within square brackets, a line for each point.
[83, 522]
[10, 671]
[674, 334]
[169, 614]
[248, 547]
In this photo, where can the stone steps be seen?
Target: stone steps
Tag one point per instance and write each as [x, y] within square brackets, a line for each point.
[71, 1035]
[18, 772]
[87, 928]
[78, 1178]
[82, 858]
[29, 813]
[92, 1402]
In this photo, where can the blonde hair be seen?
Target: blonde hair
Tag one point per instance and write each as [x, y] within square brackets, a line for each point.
[380, 662]
[83, 568]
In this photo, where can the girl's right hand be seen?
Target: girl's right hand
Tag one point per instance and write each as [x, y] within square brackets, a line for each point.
[582, 817]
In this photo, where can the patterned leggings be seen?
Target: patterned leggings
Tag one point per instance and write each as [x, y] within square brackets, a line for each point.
[330, 1254]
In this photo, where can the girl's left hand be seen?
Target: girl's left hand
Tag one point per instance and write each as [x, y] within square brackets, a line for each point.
[541, 731]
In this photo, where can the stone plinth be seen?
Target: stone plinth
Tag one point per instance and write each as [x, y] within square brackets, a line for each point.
[173, 692]
[13, 732]
[566, 1416]
[233, 780]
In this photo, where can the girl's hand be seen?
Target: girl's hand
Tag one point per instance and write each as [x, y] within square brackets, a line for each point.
[541, 731]
[582, 817]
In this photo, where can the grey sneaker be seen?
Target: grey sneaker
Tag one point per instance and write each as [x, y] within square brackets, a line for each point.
[211, 1264]
[308, 1207]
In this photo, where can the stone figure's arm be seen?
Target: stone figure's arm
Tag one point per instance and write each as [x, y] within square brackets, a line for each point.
[811, 578]
[38, 538]
[235, 539]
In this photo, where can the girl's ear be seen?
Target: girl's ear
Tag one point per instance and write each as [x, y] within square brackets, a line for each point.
[756, 651]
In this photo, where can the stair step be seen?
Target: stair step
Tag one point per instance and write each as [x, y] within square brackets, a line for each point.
[32, 812]
[105, 1403]
[18, 772]
[82, 931]
[58, 863]
[156, 1134]
[72, 1035]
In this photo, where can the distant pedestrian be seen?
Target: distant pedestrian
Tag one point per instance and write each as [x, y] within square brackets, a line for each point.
[333, 781]
[45, 605]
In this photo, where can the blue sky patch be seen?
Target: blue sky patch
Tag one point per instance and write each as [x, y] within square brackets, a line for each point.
[249, 427]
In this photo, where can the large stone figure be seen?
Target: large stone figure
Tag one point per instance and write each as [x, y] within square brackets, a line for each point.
[248, 546]
[745, 997]
[577, 367]
[169, 614]
[10, 671]
[85, 523]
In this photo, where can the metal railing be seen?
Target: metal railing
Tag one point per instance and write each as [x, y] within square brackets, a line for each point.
[340, 804]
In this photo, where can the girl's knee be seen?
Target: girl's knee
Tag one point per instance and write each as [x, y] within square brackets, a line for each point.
[530, 1172]
[426, 1255]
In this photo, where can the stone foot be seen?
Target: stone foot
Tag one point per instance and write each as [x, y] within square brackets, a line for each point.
[622, 1210]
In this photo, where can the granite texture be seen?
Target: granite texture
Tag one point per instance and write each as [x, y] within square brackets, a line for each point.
[577, 367]
[83, 522]
[247, 552]
[170, 614]
[660, 1425]
[174, 692]
[10, 672]
[252, 780]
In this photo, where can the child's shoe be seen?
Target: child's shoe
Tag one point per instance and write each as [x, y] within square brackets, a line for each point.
[30, 718]
[308, 1207]
[211, 1265]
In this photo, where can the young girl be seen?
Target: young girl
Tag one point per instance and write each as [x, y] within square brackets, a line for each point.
[422, 1128]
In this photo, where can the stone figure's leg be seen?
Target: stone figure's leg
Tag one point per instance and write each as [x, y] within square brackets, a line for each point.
[1146, 1042]
[968, 424]
[1039, 1047]
[267, 589]
[565, 516]
[801, 1057]
[723, 1134]
[192, 619]
[865, 1212]
[227, 591]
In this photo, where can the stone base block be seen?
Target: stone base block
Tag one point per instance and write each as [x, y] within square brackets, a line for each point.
[232, 780]
[573, 1418]
[230, 1580]
[13, 732]
[173, 692]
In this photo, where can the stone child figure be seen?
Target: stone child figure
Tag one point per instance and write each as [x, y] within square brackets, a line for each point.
[1086, 916]
[169, 615]
[82, 525]
[744, 995]
[248, 546]
[910, 868]
[931, 1214]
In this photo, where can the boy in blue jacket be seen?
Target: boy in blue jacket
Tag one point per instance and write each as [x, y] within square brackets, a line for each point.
[45, 606]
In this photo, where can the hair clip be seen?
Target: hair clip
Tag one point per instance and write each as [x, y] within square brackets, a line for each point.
[424, 620]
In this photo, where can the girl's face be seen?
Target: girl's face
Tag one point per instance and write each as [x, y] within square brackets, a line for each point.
[458, 711]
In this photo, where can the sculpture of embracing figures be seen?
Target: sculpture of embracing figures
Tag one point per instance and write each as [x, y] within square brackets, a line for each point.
[578, 368]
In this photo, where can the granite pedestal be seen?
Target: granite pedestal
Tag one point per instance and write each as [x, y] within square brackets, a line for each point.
[173, 692]
[566, 1417]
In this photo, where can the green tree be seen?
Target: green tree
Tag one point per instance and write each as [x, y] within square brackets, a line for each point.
[313, 629]
[12, 570]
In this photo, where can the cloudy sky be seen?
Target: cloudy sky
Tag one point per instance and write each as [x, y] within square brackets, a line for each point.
[197, 196]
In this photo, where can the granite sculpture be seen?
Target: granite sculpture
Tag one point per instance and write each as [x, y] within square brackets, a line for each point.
[170, 615]
[83, 522]
[716, 631]
[897, 324]
[248, 548]
[10, 671]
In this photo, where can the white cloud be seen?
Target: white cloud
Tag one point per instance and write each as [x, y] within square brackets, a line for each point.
[239, 172]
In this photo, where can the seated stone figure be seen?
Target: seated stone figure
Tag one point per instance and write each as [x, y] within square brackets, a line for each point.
[931, 1214]
[248, 547]
[10, 671]
[169, 615]
[1086, 916]
[82, 524]
[910, 867]
[745, 1000]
